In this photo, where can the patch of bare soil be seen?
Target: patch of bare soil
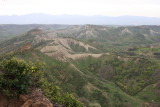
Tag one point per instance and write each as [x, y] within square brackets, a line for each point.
[61, 50]
[35, 99]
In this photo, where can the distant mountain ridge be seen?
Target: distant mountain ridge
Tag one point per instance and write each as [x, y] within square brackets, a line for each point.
[38, 18]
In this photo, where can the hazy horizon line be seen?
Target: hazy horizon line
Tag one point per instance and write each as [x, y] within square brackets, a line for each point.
[79, 15]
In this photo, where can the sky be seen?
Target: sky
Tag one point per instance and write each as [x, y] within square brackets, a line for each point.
[149, 8]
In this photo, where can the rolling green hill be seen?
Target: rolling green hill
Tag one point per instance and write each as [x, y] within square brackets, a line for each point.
[10, 31]
[101, 66]
[108, 38]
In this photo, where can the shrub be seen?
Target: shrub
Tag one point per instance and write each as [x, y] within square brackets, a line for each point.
[18, 76]
[69, 101]
[50, 90]
[55, 95]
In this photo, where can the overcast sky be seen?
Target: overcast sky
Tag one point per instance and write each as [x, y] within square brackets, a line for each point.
[149, 8]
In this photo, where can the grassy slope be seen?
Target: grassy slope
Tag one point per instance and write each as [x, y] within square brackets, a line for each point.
[150, 94]
[116, 38]
[82, 84]
[10, 31]
[82, 81]
[86, 85]
[106, 86]
[90, 65]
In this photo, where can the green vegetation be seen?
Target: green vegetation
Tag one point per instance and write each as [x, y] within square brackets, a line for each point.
[126, 75]
[132, 76]
[79, 83]
[151, 93]
[9, 31]
[18, 77]
[77, 48]
[54, 94]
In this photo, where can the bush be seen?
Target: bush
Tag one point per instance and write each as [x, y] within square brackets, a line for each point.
[69, 101]
[55, 95]
[50, 90]
[17, 77]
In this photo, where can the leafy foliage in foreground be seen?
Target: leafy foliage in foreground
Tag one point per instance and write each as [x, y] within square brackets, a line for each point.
[18, 77]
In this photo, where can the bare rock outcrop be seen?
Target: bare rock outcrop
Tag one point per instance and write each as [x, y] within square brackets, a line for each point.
[35, 99]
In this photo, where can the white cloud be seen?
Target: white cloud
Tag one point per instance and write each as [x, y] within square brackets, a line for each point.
[82, 7]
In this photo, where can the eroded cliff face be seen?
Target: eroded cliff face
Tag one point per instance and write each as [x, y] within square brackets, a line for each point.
[34, 99]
